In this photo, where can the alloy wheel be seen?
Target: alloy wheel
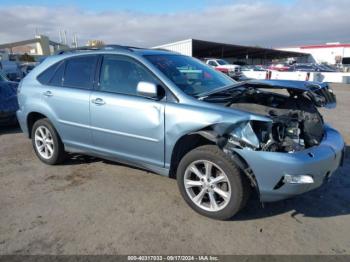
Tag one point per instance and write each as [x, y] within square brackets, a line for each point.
[44, 142]
[207, 185]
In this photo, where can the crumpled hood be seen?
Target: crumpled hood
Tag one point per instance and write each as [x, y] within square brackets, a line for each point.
[287, 84]
[320, 93]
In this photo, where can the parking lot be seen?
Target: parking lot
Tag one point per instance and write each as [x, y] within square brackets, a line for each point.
[92, 206]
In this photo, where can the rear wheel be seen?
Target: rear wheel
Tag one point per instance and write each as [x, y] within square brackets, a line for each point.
[211, 183]
[47, 143]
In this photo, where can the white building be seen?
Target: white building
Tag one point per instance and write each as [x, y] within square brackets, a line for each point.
[39, 45]
[184, 47]
[330, 53]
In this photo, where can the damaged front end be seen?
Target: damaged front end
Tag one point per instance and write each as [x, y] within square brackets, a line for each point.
[288, 152]
[295, 122]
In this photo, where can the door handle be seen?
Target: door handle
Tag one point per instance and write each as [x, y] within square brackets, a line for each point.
[98, 101]
[48, 93]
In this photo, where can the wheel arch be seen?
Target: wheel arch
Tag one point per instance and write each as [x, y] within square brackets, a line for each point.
[244, 166]
[205, 136]
[185, 144]
[34, 116]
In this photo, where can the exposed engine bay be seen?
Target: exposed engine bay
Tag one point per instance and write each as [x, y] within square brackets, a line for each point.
[296, 123]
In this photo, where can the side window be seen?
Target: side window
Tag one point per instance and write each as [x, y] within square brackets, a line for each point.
[56, 79]
[45, 77]
[79, 71]
[212, 63]
[120, 74]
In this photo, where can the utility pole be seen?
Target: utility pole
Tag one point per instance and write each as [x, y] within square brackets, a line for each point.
[65, 37]
[75, 40]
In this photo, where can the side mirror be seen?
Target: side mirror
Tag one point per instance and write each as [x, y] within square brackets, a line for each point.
[147, 89]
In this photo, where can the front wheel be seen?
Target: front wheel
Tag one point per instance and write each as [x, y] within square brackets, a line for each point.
[47, 143]
[211, 183]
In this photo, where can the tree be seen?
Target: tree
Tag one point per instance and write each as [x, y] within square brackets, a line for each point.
[26, 58]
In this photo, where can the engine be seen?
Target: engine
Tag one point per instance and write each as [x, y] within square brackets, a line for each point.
[296, 124]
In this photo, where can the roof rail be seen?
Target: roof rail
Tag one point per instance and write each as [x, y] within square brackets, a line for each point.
[96, 48]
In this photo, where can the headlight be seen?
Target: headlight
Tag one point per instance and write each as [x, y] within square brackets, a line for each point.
[245, 135]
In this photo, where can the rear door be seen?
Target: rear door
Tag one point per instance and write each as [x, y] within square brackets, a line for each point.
[124, 124]
[67, 95]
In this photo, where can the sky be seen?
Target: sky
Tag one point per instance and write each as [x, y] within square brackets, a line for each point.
[267, 23]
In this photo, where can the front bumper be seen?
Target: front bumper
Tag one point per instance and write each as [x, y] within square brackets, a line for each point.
[319, 162]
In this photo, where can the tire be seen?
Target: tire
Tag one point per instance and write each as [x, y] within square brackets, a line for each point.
[49, 139]
[235, 186]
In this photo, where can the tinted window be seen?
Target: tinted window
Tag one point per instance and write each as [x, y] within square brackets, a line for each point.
[121, 74]
[47, 75]
[79, 71]
[212, 63]
[56, 79]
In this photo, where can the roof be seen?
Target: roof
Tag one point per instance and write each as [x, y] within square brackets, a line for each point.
[111, 48]
[324, 46]
[203, 49]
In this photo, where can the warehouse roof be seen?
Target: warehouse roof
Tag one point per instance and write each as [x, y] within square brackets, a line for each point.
[201, 49]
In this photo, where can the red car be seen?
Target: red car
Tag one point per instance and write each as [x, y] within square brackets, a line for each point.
[279, 67]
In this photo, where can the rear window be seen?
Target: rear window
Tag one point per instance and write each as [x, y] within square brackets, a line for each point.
[79, 71]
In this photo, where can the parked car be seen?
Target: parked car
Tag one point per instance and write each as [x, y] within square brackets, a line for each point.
[311, 68]
[173, 115]
[225, 67]
[27, 67]
[11, 70]
[279, 67]
[8, 101]
[327, 68]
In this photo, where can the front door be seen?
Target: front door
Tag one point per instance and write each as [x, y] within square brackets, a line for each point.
[124, 124]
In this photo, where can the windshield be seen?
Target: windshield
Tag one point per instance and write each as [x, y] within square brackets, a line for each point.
[189, 74]
[222, 62]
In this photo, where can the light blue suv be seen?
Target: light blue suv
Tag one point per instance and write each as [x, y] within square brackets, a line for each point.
[173, 115]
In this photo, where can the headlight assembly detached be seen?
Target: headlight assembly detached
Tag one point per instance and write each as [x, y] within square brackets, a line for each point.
[245, 136]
